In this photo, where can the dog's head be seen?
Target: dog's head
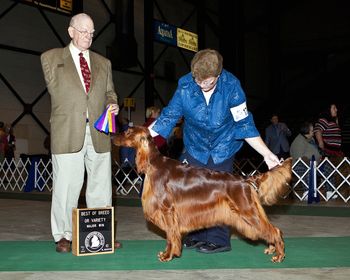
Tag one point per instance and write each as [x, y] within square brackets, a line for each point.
[138, 137]
[274, 183]
[134, 137]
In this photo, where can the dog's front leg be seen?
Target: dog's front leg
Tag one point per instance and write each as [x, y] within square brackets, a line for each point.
[172, 249]
[275, 244]
[173, 236]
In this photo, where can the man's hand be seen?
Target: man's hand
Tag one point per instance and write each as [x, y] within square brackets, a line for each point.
[114, 108]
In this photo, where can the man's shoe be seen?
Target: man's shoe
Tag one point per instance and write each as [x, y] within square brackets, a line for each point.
[190, 243]
[211, 248]
[63, 246]
[118, 245]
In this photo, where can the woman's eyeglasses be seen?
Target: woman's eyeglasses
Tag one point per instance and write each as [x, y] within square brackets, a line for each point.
[207, 82]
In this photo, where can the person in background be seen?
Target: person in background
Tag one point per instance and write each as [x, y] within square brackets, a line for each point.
[127, 161]
[328, 132]
[10, 147]
[3, 141]
[216, 125]
[276, 137]
[175, 141]
[127, 154]
[11, 144]
[80, 85]
[47, 144]
[152, 113]
[329, 138]
[304, 147]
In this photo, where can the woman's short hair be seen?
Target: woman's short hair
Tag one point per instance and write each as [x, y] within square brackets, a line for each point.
[305, 128]
[206, 63]
[150, 110]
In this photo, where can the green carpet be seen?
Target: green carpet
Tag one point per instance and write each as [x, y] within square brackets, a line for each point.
[141, 255]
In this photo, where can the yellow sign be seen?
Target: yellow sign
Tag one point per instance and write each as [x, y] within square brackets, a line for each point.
[187, 40]
[67, 5]
[129, 102]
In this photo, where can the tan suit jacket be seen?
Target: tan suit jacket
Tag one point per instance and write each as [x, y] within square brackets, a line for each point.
[69, 102]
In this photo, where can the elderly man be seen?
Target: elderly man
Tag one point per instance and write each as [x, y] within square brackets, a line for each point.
[80, 84]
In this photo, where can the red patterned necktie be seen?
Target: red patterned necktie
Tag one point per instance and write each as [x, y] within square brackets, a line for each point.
[85, 71]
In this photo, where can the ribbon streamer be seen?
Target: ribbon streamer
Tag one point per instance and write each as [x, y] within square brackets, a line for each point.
[106, 122]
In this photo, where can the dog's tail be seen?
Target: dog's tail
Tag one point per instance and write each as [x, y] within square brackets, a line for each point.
[274, 183]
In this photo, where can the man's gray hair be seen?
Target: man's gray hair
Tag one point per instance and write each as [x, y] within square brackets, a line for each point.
[77, 17]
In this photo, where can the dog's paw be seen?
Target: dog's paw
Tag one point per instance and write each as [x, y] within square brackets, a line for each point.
[270, 250]
[164, 257]
[278, 258]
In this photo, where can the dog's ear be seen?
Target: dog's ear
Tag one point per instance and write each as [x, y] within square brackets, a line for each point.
[141, 161]
[142, 152]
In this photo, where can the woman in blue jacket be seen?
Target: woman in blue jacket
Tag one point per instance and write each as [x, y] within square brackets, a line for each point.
[216, 124]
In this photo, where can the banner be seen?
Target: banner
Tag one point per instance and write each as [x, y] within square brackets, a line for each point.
[172, 35]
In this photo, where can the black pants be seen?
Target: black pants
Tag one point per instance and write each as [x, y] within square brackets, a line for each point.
[219, 235]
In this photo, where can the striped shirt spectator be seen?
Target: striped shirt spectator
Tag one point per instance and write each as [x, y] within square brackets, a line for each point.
[328, 133]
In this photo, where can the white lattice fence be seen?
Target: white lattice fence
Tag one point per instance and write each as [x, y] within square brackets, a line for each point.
[43, 175]
[14, 174]
[126, 179]
[332, 177]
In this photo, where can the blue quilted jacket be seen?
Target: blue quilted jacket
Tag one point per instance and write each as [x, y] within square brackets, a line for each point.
[217, 129]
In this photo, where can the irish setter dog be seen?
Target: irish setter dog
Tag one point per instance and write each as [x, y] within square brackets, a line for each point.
[180, 198]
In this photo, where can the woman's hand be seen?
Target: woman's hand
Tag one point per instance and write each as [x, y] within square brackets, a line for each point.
[272, 160]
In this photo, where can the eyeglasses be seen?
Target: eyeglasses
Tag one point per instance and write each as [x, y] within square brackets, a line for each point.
[85, 33]
[207, 82]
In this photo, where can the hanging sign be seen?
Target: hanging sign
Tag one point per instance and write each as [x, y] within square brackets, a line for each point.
[172, 35]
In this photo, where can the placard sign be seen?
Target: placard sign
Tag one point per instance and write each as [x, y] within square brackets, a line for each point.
[93, 231]
[187, 40]
[129, 102]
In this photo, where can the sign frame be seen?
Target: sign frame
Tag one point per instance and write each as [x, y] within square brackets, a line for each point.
[94, 225]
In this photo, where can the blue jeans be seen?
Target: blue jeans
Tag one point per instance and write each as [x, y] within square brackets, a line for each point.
[219, 235]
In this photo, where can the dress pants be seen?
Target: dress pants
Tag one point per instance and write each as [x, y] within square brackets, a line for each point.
[68, 178]
[219, 235]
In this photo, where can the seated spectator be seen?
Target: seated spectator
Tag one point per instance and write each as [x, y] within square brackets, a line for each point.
[304, 147]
